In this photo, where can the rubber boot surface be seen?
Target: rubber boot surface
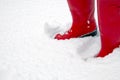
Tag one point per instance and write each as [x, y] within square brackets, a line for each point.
[109, 25]
[82, 12]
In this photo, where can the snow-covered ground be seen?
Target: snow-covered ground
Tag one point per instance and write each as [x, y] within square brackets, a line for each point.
[29, 52]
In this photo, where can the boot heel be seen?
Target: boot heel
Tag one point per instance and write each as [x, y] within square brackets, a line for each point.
[94, 33]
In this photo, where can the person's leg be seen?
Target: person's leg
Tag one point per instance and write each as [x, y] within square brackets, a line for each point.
[109, 25]
[83, 24]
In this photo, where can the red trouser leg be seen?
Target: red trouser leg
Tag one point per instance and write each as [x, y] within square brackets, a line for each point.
[82, 12]
[109, 25]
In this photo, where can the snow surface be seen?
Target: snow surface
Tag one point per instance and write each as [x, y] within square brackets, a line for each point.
[29, 52]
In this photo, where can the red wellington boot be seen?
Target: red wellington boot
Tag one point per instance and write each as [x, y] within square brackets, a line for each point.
[109, 25]
[83, 24]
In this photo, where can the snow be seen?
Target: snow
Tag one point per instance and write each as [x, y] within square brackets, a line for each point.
[29, 52]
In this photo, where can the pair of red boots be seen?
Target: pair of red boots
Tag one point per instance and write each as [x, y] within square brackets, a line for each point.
[84, 24]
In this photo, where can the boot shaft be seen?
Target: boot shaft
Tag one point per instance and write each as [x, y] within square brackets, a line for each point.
[81, 10]
[109, 18]
[109, 14]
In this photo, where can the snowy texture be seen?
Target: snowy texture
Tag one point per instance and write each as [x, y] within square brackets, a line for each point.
[29, 52]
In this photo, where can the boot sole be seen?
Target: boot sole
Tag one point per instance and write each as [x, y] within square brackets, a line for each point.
[94, 33]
